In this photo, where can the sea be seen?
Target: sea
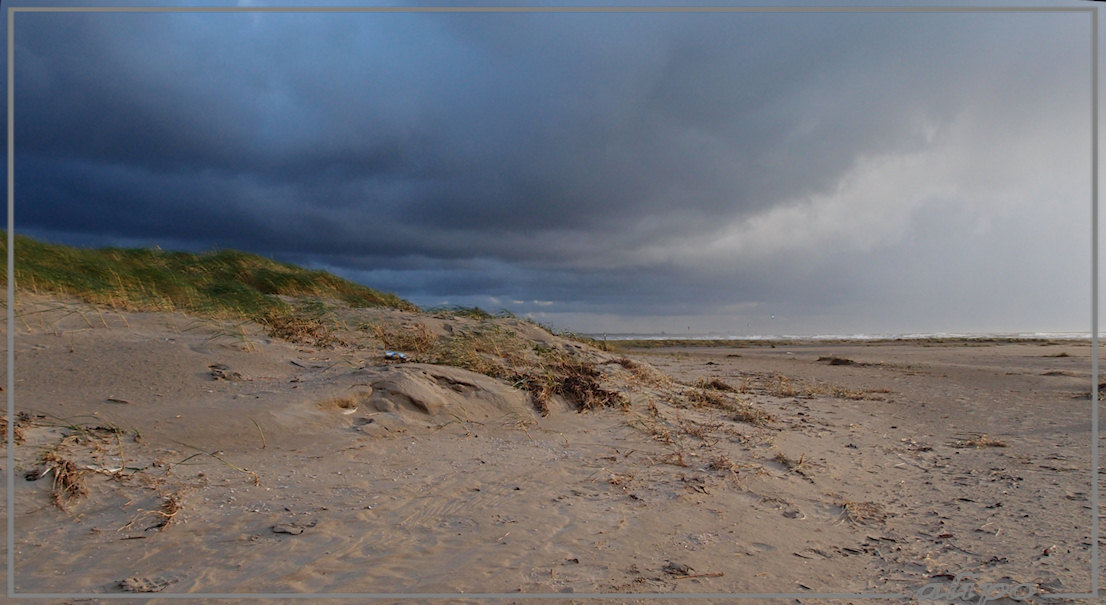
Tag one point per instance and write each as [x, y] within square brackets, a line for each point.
[1076, 336]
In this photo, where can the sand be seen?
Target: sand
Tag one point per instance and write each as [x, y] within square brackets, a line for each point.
[216, 459]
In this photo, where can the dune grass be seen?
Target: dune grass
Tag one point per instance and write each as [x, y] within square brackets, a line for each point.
[289, 302]
[469, 312]
[224, 283]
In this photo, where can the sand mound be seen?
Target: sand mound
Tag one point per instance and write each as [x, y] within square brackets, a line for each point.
[443, 391]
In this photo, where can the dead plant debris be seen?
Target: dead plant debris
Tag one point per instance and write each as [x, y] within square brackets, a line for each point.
[837, 361]
[750, 414]
[715, 383]
[69, 484]
[978, 440]
[17, 429]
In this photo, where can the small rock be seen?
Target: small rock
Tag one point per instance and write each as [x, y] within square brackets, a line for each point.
[294, 529]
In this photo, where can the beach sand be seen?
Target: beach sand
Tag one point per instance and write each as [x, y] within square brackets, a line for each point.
[210, 457]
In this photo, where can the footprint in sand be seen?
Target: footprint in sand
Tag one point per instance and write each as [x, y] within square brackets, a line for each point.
[346, 405]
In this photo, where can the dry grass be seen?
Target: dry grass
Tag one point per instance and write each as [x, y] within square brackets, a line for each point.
[622, 481]
[170, 508]
[627, 363]
[723, 463]
[469, 352]
[699, 430]
[653, 425]
[750, 414]
[782, 386]
[645, 373]
[701, 397]
[742, 411]
[488, 349]
[298, 329]
[661, 433]
[165, 514]
[747, 385]
[68, 485]
[716, 384]
[101, 443]
[778, 385]
[841, 392]
[574, 379]
[862, 513]
[544, 373]
[791, 464]
[17, 430]
[675, 458]
[978, 440]
[412, 338]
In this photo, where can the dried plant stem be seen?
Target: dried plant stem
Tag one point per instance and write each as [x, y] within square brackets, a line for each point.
[259, 432]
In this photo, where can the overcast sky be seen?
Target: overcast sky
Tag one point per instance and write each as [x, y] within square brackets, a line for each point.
[727, 172]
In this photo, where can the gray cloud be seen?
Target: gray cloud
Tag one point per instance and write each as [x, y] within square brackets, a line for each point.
[606, 166]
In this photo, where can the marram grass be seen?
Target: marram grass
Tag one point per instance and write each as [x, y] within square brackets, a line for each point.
[225, 283]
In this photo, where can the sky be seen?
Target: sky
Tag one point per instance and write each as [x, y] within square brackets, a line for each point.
[685, 173]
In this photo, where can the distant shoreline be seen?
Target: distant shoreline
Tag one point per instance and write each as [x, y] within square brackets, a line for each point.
[660, 340]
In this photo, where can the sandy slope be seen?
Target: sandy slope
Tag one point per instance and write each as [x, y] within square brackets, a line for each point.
[250, 464]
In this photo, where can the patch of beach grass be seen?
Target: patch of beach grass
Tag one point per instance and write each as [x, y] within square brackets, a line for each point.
[301, 329]
[223, 284]
[487, 348]
[413, 338]
[576, 380]
[468, 312]
[491, 349]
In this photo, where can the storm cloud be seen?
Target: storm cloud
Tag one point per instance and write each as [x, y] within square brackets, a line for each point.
[844, 172]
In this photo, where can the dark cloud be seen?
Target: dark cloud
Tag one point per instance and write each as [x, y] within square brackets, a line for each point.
[632, 164]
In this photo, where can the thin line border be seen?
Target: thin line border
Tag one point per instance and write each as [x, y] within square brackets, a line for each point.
[1094, 308]
[12, 11]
